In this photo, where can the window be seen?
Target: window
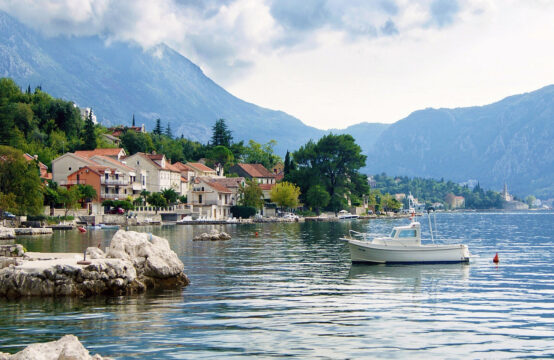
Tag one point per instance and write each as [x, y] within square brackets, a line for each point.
[69, 169]
[407, 233]
[200, 199]
[393, 233]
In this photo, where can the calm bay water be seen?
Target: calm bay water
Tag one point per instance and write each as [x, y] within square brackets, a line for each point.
[292, 292]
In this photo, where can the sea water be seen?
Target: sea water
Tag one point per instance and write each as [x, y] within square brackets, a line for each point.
[291, 291]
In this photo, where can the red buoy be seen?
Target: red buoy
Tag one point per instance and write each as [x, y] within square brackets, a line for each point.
[256, 234]
[495, 259]
[82, 229]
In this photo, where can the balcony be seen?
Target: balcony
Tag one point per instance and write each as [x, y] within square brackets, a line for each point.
[114, 182]
[138, 186]
[72, 182]
[112, 196]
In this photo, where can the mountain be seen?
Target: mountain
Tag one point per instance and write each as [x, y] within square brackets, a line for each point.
[365, 134]
[119, 79]
[508, 141]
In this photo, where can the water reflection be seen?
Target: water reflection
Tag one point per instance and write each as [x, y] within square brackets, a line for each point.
[291, 291]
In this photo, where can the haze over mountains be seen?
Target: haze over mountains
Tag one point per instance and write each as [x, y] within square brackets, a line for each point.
[508, 141]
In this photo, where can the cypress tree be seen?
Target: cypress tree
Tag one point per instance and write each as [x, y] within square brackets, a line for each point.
[90, 136]
[158, 128]
[287, 163]
[168, 131]
[133, 120]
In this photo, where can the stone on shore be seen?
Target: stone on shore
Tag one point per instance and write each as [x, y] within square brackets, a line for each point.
[213, 235]
[7, 233]
[133, 263]
[67, 348]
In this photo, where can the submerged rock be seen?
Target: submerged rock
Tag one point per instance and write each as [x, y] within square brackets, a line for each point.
[67, 348]
[133, 263]
[212, 236]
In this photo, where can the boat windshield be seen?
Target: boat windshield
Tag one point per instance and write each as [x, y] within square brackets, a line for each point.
[407, 233]
[393, 233]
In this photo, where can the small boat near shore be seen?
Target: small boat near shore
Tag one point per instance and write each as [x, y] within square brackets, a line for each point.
[345, 215]
[403, 246]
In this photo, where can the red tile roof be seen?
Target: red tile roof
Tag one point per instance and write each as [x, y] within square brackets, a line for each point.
[266, 186]
[114, 161]
[219, 187]
[256, 170]
[182, 167]
[200, 167]
[104, 152]
[233, 182]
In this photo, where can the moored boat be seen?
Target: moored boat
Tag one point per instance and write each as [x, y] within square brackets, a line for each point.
[403, 245]
[345, 215]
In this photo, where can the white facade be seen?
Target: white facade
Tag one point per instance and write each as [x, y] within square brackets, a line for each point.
[159, 177]
[67, 164]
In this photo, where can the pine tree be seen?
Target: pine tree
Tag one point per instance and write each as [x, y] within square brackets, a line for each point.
[89, 136]
[158, 128]
[133, 120]
[221, 135]
[168, 131]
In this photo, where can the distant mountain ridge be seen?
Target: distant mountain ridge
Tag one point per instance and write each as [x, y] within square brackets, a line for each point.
[509, 141]
[119, 79]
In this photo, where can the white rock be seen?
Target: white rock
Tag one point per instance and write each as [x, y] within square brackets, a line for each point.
[67, 348]
[150, 253]
[7, 233]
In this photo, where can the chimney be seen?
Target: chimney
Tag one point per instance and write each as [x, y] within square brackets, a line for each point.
[35, 157]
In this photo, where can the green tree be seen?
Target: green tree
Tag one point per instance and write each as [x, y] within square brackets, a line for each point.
[144, 195]
[286, 168]
[87, 193]
[220, 155]
[69, 198]
[170, 195]
[251, 195]
[168, 131]
[285, 195]
[157, 200]
[20, 178]
[8, 202]
[89, 137]
[530, 200]
[256, 153]
[134, 142]
[158, 129]
[317, 197]
[221, 135]
[334, 162]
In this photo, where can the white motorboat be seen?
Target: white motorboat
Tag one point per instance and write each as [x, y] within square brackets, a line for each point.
[345, 215]
[403, 245]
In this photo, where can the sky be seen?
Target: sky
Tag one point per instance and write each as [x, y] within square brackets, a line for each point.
[332, 63]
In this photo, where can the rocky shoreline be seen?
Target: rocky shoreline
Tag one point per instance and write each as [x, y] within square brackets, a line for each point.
[68, 347]
[133, 263]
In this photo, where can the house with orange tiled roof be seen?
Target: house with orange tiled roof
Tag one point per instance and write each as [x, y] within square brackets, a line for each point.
[201, 169]
[116, 153]
[160, 173]
[136, 178]
[210, 198]
[67, 164]
[107, 181]
[255, 172]
[44, 174]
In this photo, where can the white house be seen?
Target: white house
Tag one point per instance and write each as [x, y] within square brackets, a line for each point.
[160, 174]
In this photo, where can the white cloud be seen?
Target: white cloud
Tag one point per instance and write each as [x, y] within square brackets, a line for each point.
[329, 62]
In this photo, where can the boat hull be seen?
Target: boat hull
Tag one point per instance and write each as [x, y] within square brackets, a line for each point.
[365, 252]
